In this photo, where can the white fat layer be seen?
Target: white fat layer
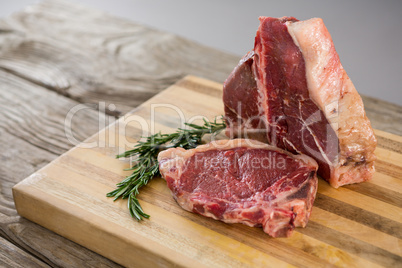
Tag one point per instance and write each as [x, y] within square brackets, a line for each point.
[316, 59]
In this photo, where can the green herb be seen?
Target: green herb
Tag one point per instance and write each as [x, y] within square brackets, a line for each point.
[146, 165]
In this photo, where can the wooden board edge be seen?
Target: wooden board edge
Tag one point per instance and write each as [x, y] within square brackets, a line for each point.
[70, 223]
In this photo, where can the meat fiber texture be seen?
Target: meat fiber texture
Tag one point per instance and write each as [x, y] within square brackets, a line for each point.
[292, 92]
[243, 181]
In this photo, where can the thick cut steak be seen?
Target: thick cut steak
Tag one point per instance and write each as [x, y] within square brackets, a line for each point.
[243, 181]
[292, 92]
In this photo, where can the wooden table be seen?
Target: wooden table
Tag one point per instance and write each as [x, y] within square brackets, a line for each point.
[57, 55]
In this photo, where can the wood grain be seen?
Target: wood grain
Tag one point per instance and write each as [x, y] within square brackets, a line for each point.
[50, 63]
[354, 226]
[110, 59]
[15, 257]
[32, 136]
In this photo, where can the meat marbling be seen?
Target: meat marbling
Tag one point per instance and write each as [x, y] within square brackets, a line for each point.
[292, 92]
[243, 181]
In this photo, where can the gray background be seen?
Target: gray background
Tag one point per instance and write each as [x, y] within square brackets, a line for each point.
[367, 34]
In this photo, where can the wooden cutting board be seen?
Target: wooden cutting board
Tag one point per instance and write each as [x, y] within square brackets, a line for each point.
[356, 226]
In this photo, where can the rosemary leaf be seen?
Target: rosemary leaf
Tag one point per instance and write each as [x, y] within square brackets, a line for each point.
[145, 155]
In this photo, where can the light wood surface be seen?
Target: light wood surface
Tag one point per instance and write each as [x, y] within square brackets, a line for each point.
[56, 55]
[356, 226]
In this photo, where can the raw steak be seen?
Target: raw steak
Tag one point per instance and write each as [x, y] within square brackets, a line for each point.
[243, 181]
[292, 92]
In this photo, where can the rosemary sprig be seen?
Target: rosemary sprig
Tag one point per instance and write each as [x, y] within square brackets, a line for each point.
[146, 165]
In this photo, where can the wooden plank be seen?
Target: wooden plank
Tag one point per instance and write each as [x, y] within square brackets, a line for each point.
[107, 60]
[383, 115]
[32, 134]
[12, 256]
[73, 187]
